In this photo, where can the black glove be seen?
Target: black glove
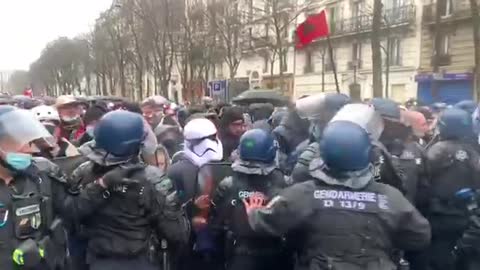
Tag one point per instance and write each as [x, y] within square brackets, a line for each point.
[469, 244]
[121, 175]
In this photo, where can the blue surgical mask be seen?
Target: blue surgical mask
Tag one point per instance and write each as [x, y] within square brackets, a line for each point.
[90, 130]
[18, 161]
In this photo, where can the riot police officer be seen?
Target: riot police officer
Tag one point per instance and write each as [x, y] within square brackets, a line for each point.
[398, 165]
[452, 164]
[254, 174]
[129, 203]
[32, 235]
[319, 109]
[342, 217]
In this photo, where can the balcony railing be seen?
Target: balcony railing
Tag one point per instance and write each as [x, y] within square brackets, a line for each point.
[354, 64]
[363, 23]
[441, 60]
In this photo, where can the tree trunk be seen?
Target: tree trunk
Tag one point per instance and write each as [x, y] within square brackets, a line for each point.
[123, 85]
[376, 49]
[436, 43]
[88, 80]
[104, 85]
[476, 44]
[98, 87]
[140, 83]
[387, 67]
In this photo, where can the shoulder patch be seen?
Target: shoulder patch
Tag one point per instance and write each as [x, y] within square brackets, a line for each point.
[461, 155]
[359, 201]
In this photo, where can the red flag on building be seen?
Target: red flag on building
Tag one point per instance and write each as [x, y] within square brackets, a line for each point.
[315, 26]
[28, 92]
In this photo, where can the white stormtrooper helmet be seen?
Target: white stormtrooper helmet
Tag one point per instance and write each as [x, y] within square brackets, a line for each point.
[201, 142]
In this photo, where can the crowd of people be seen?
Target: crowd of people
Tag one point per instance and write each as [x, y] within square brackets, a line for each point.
[321, 183]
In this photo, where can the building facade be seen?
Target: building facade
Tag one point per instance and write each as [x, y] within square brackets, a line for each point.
[350, 27]
[310, 70]
[454, 79]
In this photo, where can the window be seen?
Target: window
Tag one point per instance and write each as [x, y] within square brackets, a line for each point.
[328, 60]
[446, 7]
[356, 51]
[394, 4]
[332, 18]
[219, 70]
[394, 52]
[357, 8]
[250, 10]
[444, 45]
[267, 6]
[250, 37]
[265, 64]
[309, 67]
[267, 28]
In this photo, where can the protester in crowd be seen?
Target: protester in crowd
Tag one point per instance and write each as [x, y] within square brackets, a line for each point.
[232, 126]
[90, 119]
[50, 119]
[69, 110]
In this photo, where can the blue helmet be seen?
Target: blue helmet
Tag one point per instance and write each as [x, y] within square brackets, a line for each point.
[439, 107]
[257, 145]
[120, 133]
[455, 123]
[467, 105]
[387, 108]
[345, 146]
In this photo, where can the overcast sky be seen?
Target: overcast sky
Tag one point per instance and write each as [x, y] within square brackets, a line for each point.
[26, 26]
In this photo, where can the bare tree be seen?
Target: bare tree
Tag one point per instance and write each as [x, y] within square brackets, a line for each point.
[228, 25]
[18, 81]
[275, 35]
[158, 18]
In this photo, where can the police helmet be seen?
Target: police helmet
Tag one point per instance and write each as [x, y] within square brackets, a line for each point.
[467, 105]
[455, 123]
[439, 107]
[387, 108]
[345, 146]
[21, 127]
[321, 106]
[120, 133]
[257, 145]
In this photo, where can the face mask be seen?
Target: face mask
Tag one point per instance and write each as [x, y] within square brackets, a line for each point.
[90, 130]
[69, 119]
[71, 122]
[18, 161]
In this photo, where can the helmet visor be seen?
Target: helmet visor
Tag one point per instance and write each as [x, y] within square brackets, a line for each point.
[311, 107]
[364, 116]
[21, 128]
